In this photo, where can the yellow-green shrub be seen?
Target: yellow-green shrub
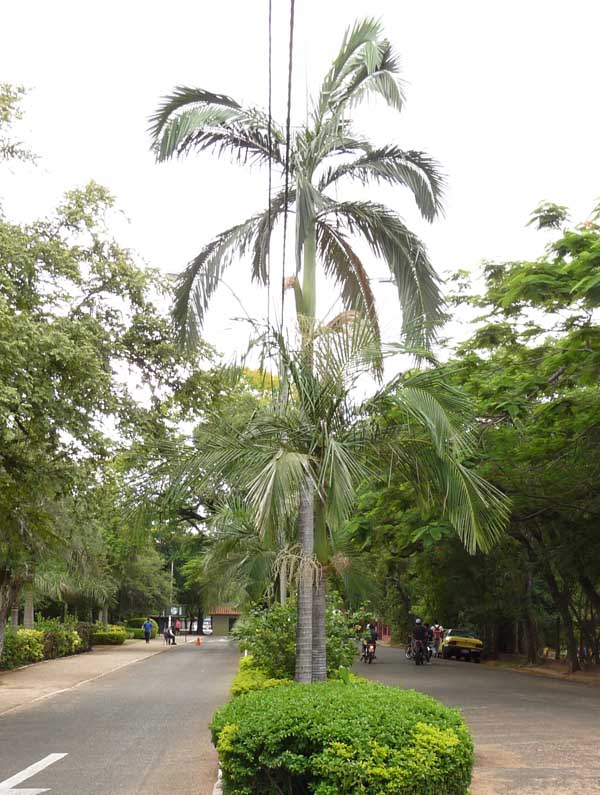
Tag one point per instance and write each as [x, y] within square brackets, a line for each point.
[21, 647]
[250, 678]
[333, 737]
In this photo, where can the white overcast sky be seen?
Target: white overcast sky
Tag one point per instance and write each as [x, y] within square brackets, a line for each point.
[503, 94]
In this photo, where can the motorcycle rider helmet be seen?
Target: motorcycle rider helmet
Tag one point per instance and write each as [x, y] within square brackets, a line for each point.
[417, 621]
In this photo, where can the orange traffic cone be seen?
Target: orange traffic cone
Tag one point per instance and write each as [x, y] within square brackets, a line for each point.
[197, 641]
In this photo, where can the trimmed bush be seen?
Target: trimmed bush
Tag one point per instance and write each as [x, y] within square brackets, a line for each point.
[108, 635]
[250, 678]
[136, 624]
[22, 647]
[332, 738]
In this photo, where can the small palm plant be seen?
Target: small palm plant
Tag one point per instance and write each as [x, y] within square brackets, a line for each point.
[314, 437]
[324, 153]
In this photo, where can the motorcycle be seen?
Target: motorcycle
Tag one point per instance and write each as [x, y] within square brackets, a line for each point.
[368, 654]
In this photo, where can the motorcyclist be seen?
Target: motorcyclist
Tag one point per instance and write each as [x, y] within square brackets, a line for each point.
[428, 641]
[418, 633]
[370, 636]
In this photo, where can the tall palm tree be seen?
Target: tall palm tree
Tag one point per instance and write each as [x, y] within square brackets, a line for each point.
[323, 153]
[314, 431]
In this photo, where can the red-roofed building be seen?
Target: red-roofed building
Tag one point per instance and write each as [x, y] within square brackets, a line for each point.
[223, 619]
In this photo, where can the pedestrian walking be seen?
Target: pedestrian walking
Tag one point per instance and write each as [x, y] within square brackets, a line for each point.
[147, 627]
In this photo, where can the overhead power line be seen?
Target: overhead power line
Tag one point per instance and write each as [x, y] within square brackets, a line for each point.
[287, 153]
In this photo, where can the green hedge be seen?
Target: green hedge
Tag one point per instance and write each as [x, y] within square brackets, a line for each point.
[250, 678]
[50, 639]
[108, 635]
[136, 625]
[332, 738]
[22, 646]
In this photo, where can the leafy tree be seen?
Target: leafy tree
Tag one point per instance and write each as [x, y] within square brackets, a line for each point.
[532, 366]
[10, 112]
[80, 332]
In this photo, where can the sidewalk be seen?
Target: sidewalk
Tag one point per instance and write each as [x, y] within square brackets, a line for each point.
[45, 679]
[549, 669]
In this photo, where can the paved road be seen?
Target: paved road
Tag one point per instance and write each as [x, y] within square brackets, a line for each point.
[533, 736]
[142, 729]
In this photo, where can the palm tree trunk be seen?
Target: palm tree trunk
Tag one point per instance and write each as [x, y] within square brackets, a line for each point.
[309, 277]
[283, 584]
[304, 631]
[319, 646]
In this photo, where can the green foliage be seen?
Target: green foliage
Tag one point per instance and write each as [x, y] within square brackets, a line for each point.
[270, 637]
[59, 639]
[249, 678]
[136, 624]
[332, 738]
[10, 112]
[108, 635]
[22, 647]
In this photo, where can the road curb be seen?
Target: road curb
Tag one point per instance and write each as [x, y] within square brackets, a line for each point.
[46, 696]
[218, 788]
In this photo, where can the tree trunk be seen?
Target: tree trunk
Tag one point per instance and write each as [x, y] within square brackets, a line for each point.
[557, 639]
[319, 639]
[28, 618]
[9, 591]
[561, 601]
[200, 627]
[283, 584]
[14, 613]
[304, 631]
[531, 625]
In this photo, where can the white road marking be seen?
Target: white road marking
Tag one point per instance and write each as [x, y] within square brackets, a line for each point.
[8, 784]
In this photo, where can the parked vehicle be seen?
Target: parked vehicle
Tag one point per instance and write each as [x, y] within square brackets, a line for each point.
[462, 644]
[207, 626]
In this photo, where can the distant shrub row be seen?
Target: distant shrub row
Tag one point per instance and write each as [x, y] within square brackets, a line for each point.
[49, 639]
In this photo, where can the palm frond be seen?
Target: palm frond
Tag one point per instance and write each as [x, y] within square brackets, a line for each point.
[373, 74]
[395, 166]
[340, 262]
[364, 32]
[416, 281]
[184, 96]
[193, 119]
[197, 283]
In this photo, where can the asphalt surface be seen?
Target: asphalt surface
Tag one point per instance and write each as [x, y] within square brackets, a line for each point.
[533, 735]
[141, 729]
